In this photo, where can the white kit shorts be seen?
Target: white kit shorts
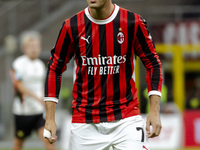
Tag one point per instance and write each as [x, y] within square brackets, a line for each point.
[124, 134]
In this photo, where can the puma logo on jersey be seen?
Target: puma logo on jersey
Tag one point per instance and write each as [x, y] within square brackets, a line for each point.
[86, 39]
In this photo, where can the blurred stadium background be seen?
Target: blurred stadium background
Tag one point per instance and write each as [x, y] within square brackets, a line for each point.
[175, 27]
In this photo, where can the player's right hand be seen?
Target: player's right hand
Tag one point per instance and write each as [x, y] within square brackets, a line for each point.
[51, 127]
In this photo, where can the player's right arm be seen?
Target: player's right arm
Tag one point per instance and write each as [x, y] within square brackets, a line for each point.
[60, 56]
[50, 123]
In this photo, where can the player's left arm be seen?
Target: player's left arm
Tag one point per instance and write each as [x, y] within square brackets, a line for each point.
[145, 49]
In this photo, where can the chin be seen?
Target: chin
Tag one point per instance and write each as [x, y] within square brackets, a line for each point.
[93, 6]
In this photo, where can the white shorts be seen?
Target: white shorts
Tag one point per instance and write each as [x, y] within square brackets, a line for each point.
[124, 134]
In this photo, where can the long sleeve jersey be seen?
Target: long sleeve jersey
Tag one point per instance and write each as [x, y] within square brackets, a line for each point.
[104, 50]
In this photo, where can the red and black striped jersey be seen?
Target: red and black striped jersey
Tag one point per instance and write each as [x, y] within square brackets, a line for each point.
[104, 51]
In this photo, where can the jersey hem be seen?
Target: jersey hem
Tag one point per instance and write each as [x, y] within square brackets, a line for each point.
[76, 119]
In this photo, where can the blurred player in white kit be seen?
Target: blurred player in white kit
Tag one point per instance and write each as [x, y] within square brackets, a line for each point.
[27, 75]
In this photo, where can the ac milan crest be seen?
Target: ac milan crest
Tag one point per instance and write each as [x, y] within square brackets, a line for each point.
[120, 37]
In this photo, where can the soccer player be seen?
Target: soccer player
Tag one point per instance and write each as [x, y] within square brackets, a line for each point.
[28, 73]
[104, 40]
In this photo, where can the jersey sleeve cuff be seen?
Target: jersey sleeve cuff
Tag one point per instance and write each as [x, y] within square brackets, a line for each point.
[155, 93]
[52, 99]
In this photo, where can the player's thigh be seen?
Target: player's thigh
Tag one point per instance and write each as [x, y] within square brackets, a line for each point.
[86, 136]
[40, 133]
[132, 135]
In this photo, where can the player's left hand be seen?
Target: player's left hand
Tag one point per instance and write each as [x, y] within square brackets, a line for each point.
[153, 119]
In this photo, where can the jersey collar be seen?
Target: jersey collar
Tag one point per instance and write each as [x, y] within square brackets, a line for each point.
[104, 21]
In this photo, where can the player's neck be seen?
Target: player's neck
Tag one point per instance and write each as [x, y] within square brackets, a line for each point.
[102, 13]
[30, 57]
